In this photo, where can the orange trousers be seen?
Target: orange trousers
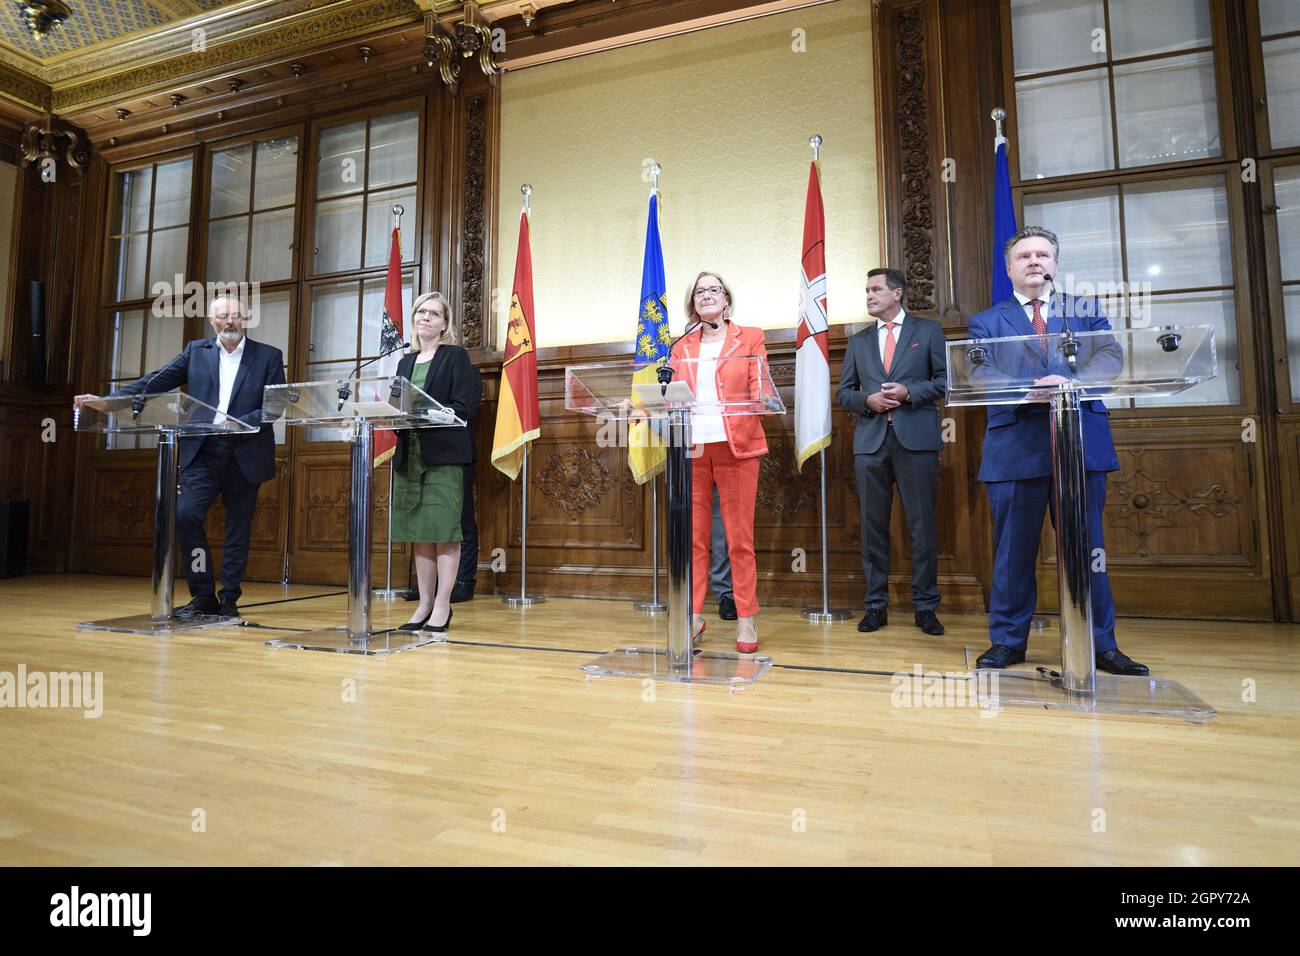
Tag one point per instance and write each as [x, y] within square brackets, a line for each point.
[737, 481]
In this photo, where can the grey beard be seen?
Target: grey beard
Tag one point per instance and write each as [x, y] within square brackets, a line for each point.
[230, 336]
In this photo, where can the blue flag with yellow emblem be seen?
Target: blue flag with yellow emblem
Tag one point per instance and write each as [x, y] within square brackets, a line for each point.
[646, 452]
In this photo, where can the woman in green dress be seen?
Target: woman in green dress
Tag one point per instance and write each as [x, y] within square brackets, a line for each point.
[429, 463]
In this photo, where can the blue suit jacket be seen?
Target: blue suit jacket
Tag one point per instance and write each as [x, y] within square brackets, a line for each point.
[1017, 441]
[198, 369]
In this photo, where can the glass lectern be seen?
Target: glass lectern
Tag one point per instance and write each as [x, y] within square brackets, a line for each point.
[353, 408]
[656, 419]
[170, 416]
[1122, 364]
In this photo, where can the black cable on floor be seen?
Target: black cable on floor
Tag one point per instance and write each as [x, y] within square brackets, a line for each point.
[525, 647]
[308, 597]
[268, 627]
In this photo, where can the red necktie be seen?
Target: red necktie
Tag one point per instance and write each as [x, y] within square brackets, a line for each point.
[1040, 325]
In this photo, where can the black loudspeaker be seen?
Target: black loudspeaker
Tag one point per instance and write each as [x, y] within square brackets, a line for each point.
[38, 333]
[13, 538]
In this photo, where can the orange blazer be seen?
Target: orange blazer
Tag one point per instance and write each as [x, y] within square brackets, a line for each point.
[734, 380]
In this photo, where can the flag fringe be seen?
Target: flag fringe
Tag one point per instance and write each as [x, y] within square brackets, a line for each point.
[510, 449]
[812, 449]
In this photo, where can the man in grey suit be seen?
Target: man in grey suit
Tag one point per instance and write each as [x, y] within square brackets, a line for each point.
[894, 373]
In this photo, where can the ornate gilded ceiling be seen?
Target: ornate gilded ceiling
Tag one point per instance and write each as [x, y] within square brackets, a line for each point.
[112, 48]
[96, 24]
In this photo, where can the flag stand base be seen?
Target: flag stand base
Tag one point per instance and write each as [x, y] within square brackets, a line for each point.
[818, 615]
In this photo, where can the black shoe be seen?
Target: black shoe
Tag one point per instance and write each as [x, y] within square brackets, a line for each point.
[999, 656]
[462, 592]
[415, 625]
[928, 621]
[1115, 661]
[727, 607]
[205, 605]
[411, 595]
[873, 620]
[228, 608]
[441, 628]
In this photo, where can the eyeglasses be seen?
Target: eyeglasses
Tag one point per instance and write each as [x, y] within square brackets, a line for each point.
[709, 290]
[429, 312]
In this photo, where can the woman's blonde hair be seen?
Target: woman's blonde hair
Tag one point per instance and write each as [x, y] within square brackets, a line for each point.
[690, 293]
[448, 336]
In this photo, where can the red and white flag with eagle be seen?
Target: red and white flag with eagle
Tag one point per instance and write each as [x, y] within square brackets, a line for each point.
[812, 364]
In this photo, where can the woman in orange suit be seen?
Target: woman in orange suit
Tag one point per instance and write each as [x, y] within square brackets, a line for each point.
[727, 447]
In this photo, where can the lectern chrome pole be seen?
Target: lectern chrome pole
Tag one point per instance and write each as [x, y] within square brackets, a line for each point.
[655, 603]
[678, 479]
[164, 524]
[825, 614]
[1073, 554]
[359, 556]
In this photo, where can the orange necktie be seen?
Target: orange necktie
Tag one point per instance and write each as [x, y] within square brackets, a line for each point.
[889, 355]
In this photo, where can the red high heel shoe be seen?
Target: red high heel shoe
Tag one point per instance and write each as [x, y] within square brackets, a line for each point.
[747, 647]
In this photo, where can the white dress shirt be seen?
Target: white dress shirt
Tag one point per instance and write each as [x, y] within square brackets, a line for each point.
[228, 362]
[706, 427]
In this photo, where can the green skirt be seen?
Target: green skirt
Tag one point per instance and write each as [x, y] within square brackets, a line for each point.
[427, 500]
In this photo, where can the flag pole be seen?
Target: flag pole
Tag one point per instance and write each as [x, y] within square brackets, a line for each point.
[825, 614]
[388, 593]
[524, 599]
[656, 603]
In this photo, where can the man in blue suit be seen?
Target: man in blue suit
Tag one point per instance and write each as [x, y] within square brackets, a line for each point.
[229, 373]
[1017, 463]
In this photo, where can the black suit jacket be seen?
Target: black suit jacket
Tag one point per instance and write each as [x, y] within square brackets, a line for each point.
[198, 368]
[453, 380]
[920, 363]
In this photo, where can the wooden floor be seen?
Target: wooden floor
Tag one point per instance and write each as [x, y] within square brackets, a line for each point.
[496, 750]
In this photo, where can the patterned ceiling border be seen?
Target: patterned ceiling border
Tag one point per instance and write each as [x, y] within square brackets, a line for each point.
[24, 89]
[339, 24]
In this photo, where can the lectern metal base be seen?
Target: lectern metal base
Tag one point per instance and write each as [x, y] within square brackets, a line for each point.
[827, 616]
[736, 671]
[650, 607]
[387, 594]
[145, 624]
[1116, 694]
[528, 600]
[377, 643]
